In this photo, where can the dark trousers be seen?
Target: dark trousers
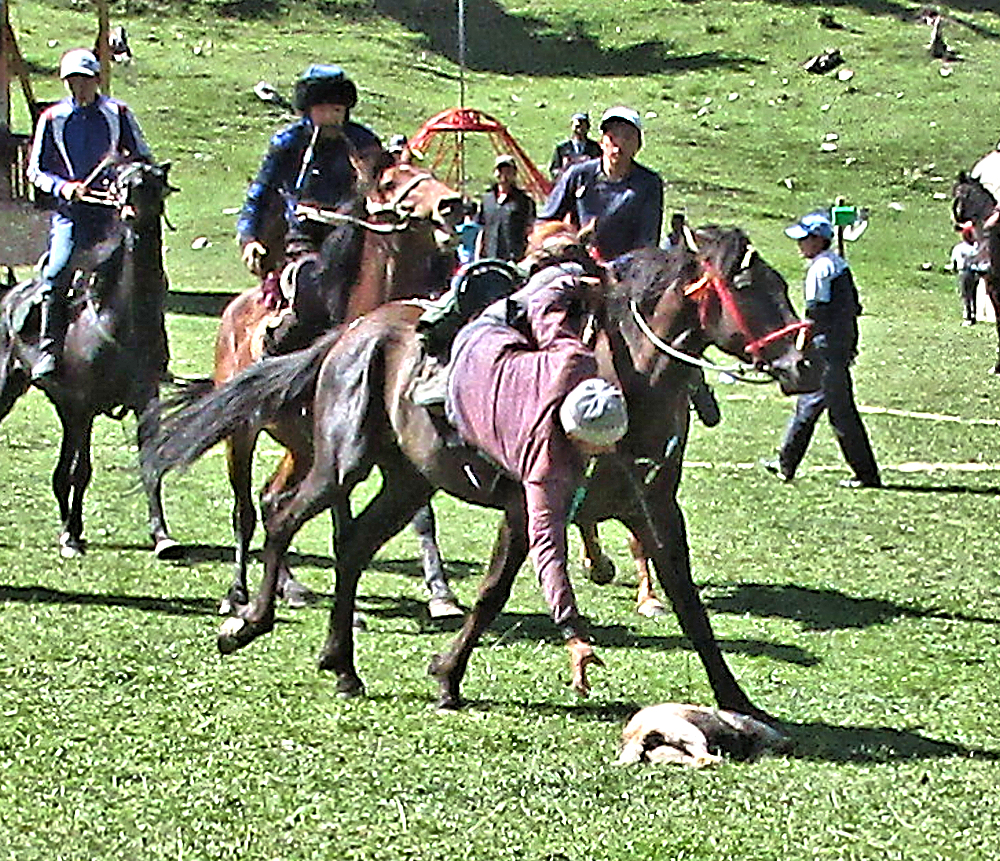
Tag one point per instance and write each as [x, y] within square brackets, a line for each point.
[968, 280]
[836, 395]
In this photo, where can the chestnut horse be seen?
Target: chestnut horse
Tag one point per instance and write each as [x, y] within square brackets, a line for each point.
[972, 203]
[357, 384]
[114, 351]
[397, 244]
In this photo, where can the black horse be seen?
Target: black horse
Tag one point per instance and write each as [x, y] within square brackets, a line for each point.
[972, 203]
[115, 347]
[356, 383]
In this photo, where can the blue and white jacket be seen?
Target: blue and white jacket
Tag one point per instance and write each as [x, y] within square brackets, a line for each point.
[71, 140]
[325, 176]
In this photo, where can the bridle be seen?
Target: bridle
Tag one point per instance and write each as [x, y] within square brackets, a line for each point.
[712, 283]
[400, 216]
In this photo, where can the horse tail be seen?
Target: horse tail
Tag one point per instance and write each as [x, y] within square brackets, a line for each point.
[196, 419]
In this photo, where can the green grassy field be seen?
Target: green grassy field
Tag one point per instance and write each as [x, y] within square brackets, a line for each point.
[868, 621]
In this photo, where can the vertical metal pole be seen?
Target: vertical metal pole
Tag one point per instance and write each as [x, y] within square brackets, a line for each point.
[461, 93]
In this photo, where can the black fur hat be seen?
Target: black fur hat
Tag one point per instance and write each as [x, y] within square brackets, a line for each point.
[324, 85]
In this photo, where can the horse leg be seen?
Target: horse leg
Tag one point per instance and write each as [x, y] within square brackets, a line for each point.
[673, 567]
[357, 542]
[443, 603]
[279, 486]
[993, 291]
[70, 479]
[239, 465]
[597, 565]
[509, 553]
[646, 602]
[164, 547]
[282, 523]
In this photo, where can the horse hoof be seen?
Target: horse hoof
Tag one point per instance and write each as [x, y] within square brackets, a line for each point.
[444, 608]
[600, 571]
[349, 689]
[167, 549]
[449, 704]
[296, 595]
[235, 633]
[70, 547]
[358, 621]
[651, 608]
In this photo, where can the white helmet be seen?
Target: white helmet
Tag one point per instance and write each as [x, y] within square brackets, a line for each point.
[79, 61]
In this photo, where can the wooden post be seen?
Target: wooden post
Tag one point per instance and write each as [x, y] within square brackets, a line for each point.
[4, 68]
[103, 45]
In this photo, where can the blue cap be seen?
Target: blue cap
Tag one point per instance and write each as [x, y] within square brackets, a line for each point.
[813, 224]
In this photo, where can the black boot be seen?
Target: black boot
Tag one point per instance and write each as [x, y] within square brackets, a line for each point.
[51, 334]
[705, 404]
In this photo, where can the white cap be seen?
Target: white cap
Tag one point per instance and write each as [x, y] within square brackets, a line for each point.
[594, 412]
[79, 61]
[624, 115]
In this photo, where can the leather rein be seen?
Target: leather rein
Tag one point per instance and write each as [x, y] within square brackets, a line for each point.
[711, 282]
[400, 215]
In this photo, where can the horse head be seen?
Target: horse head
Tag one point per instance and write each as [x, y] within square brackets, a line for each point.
[138, 190]
[404, 193]
[717, 291]
[971, 201]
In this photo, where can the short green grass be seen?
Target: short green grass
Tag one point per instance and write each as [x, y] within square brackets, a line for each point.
[868, 621]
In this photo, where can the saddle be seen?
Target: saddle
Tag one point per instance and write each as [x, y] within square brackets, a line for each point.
[473, 289]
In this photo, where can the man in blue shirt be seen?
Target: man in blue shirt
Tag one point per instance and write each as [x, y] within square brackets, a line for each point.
[614, 199]
[72, 140]
[833, 306]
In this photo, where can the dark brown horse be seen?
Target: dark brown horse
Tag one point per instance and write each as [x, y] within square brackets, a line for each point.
[394, 243]
[114, 348]
[724, 294]
[972, 203]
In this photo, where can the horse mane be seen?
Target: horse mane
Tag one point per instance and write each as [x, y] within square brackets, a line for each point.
[553, 242]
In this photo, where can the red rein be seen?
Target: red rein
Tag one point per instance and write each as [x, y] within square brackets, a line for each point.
[711, 281]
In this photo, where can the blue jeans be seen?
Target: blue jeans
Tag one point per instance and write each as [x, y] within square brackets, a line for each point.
[66, 235]
[836, 395]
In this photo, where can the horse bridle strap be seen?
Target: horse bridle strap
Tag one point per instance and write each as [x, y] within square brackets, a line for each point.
[330, 216]
[735, 371]
[393, 207]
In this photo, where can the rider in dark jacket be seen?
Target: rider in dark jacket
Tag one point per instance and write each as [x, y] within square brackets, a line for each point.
[312, 161]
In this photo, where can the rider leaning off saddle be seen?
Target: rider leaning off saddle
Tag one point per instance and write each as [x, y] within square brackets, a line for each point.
[307, 162]
[70, 155]
[523, 388]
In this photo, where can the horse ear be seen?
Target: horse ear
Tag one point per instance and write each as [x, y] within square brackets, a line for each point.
[962, 177]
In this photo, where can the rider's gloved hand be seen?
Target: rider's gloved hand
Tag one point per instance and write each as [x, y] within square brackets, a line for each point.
[253, 256]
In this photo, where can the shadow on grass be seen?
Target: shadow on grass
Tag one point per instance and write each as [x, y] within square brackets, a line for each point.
[198, 303]
[538, 627]
[535, 46]
[824, 609]
[822, 742]
[958, 489]
[146, 603]
[456, 569]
